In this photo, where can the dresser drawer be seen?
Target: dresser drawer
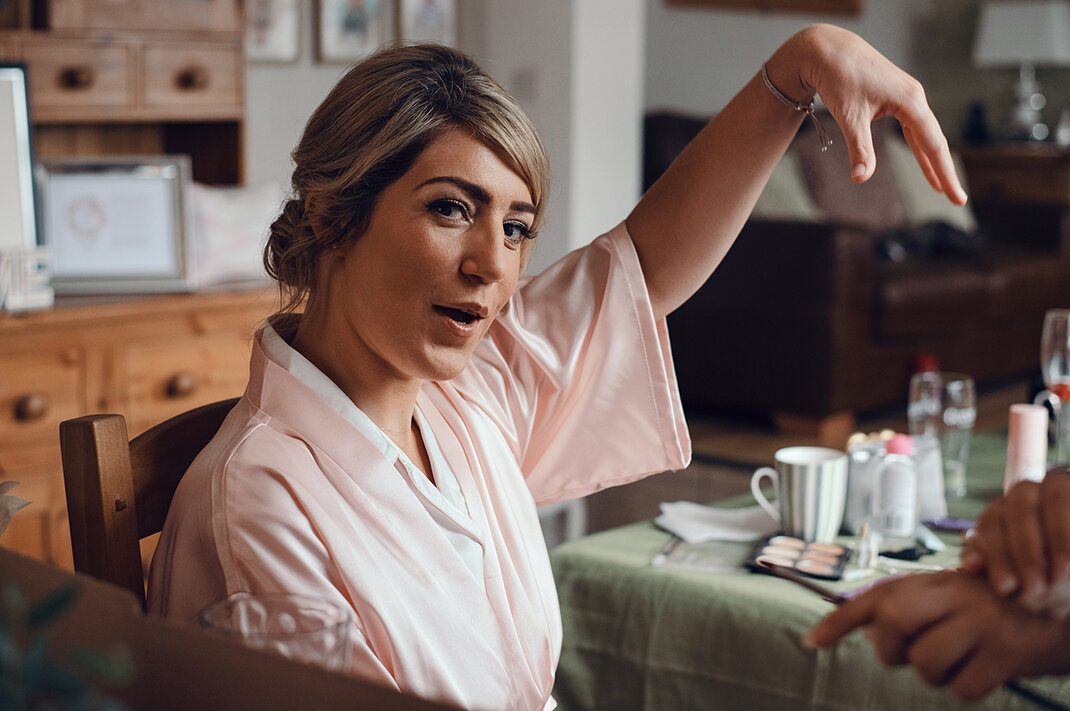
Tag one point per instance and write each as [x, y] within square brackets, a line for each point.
[37, 392]
[164, 379]
[78, 75]
[39, 530]
[195, 78]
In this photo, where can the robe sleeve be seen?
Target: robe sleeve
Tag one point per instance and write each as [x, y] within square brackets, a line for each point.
[579, 376]
[267, 542]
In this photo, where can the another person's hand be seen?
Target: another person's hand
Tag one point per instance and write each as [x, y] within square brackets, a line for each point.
[1021, 543]
[859, 85]
[953, 629]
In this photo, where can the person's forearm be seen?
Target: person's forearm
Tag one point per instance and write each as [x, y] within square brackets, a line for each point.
[686, 222]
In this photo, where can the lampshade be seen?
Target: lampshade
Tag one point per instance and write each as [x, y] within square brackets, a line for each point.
[1012, 33]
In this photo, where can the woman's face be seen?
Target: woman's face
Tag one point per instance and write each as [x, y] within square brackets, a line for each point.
[412, 296]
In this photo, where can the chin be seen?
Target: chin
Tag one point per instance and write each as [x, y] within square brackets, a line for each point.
[446, 367]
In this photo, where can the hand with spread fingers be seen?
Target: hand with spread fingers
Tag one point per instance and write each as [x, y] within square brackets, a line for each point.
[953, 629]
[1021, 545]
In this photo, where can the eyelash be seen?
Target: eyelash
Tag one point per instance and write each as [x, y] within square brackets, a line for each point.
[439, 203]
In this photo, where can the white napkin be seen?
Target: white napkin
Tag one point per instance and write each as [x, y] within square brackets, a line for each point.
[695, 523]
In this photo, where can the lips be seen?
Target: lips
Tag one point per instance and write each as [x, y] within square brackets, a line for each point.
[462, 318]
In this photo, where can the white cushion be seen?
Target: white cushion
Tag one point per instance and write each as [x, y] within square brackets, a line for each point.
[230, 228]
[921, 203]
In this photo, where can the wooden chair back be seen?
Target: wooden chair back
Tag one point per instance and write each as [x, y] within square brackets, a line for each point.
[119, 491]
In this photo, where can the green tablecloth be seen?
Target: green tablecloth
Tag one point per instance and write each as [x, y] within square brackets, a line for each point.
[641, 637]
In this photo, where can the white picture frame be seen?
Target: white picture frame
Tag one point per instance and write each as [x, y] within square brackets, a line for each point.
[272, 31]
[117, 224]
[18, 202]
[348, 31]
[430, 21]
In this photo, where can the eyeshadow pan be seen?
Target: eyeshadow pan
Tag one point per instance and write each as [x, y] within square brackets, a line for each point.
[787, 541]
[815, 567]
[818, 560]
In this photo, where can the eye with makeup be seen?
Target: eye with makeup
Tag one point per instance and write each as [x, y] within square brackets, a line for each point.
[450, 209]
[516, 232]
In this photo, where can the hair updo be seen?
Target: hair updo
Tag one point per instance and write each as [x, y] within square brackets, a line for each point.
[369, 131]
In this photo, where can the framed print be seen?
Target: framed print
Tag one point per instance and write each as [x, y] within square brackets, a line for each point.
[117, 224]
[272, 30]
[17, 203]
[429, 21]
[350, 29]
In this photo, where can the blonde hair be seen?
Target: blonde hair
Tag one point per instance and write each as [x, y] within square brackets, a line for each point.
[369, 131]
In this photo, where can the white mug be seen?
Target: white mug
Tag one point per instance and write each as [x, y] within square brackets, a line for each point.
[811, 490]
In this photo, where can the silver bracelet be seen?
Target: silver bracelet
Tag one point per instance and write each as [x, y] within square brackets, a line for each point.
[807, 109]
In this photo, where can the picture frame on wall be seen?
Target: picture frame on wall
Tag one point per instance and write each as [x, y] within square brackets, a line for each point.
[117, 224]
[348, 30]
[272, 31]
[430, 21]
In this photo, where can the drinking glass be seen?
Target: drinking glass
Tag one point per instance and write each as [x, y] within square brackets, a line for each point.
[301, 627]
[944, 406]
[1055, 368]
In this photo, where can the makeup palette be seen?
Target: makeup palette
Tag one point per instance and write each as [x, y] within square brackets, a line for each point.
[818, 560]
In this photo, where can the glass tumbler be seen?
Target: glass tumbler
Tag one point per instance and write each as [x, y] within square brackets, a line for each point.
[944, 406]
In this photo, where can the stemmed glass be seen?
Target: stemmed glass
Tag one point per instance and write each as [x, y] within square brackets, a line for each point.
[1055, 368]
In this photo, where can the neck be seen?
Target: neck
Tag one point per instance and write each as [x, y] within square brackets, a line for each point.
[384, 395]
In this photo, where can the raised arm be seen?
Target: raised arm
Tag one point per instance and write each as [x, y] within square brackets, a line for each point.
[685, 223]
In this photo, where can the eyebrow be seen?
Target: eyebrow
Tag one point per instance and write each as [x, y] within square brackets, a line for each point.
[477, 192]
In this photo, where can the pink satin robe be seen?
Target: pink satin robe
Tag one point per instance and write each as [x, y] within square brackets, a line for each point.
[571, 391]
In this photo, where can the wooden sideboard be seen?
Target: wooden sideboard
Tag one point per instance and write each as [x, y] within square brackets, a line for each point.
[147, 358]
[133, 77]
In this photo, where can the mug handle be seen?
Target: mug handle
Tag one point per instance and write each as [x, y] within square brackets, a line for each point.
[756, 489]
[1047, 397]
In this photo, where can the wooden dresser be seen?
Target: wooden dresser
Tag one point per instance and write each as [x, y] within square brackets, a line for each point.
[147, 358]
[133, 77]
[121, 77]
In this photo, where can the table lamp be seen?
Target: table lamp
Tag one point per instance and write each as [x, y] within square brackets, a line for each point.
[1024, 34]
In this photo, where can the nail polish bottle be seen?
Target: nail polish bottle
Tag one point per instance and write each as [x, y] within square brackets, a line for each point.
[1027, 444]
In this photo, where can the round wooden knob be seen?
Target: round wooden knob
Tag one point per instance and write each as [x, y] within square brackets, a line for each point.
[78, 77]
[192, 78]
[31, 406]
[181, 384]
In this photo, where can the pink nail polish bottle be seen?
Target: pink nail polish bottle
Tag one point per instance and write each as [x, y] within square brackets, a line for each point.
[1027, 444]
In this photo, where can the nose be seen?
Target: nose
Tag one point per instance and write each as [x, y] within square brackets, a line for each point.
[486, 258]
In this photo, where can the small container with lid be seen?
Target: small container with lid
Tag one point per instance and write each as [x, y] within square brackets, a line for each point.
[895, 495]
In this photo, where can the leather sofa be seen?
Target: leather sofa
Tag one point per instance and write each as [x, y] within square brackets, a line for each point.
[810, 322]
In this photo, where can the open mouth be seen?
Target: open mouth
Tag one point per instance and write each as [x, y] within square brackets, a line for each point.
[464, 316]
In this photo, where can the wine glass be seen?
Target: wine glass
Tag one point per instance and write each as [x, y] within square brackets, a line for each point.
[1055, 368]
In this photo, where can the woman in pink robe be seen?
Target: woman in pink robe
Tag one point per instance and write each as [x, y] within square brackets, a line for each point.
[396, 436]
